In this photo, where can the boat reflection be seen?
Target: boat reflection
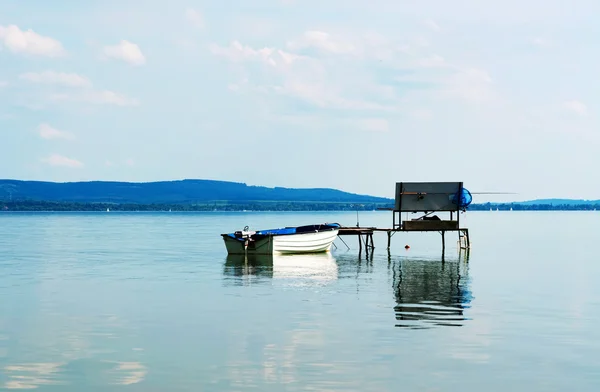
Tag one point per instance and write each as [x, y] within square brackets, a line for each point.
[430, 293]
[300, 269]
[245, 269]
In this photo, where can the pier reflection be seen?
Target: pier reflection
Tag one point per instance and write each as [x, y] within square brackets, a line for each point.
[430, 293]
[300, 269]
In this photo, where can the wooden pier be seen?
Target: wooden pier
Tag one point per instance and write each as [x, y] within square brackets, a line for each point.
[427, 198]
[365, 236]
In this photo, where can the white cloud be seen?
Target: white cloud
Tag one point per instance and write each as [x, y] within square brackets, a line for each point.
[324, 42]
[340, 83]
[433, 61]
[236, 52]
[577, 107]
[540, 42]
[126, 51]
[48, 132]
[292, 75]
[431, 24]
[194, 17]
[422, 114]
[61, 78]
[29, 42]
[62, 161]
[471, 84]
[324, 95]
[104, 97]
[86, 94]
[374, 125]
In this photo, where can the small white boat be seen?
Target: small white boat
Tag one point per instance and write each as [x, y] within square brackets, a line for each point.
[289, 240]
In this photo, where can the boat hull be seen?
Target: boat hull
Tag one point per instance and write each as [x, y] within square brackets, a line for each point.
[307, 242]
[304, 243]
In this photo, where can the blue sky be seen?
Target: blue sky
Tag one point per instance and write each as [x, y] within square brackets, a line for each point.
[348, 94]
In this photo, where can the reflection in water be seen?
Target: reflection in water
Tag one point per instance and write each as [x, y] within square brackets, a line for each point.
[297, 269]
[427, 292]
[67, 347]
[241, 270]
[30, 376]
[130, 373]
[430, 293]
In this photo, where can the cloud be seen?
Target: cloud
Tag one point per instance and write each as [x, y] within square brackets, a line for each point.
[126, 51]
[236, 52]
[29, 42]
[365, 46]
[576, 107]
[194, 17]
[293, 75]
[86, 92]
[421, 114]
[324, 96]
[48, 132]
[471, 84]
[62, 161]
[104, 97]
[433, 61]
[323, 42]
[374, 125]
[60, 78]
[324, 77]
[540, 42]
[432, 25]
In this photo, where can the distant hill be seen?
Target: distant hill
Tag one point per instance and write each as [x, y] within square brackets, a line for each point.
[170, 192]
[540, 205]
[558, 202]
[209, 195]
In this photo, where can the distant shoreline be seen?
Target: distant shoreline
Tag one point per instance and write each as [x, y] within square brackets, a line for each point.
[57, 206]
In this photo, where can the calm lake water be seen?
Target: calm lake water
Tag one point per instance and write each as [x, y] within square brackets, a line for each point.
[151, 302]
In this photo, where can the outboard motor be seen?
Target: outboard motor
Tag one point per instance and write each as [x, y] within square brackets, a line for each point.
[246, 233]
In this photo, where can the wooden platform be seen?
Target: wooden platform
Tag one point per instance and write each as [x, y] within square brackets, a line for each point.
[440, 226]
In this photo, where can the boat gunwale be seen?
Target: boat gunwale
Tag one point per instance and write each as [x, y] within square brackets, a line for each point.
[259, 234]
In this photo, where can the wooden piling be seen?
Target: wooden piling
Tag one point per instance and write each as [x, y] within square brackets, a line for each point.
[443, 242]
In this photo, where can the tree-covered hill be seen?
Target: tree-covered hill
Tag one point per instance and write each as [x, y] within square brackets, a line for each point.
[171, 192]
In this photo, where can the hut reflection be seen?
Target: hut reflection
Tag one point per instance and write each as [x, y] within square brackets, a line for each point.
[430, 293]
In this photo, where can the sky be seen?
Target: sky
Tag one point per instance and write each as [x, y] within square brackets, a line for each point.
[350, 94]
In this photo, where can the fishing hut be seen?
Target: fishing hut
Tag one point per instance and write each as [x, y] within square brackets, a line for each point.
[426, 207]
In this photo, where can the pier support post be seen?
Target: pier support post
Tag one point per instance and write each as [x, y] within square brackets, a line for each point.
[359, 243]
[389, 233]
[443, 242]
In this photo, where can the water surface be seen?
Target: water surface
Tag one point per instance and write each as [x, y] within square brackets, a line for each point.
[151, 302]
